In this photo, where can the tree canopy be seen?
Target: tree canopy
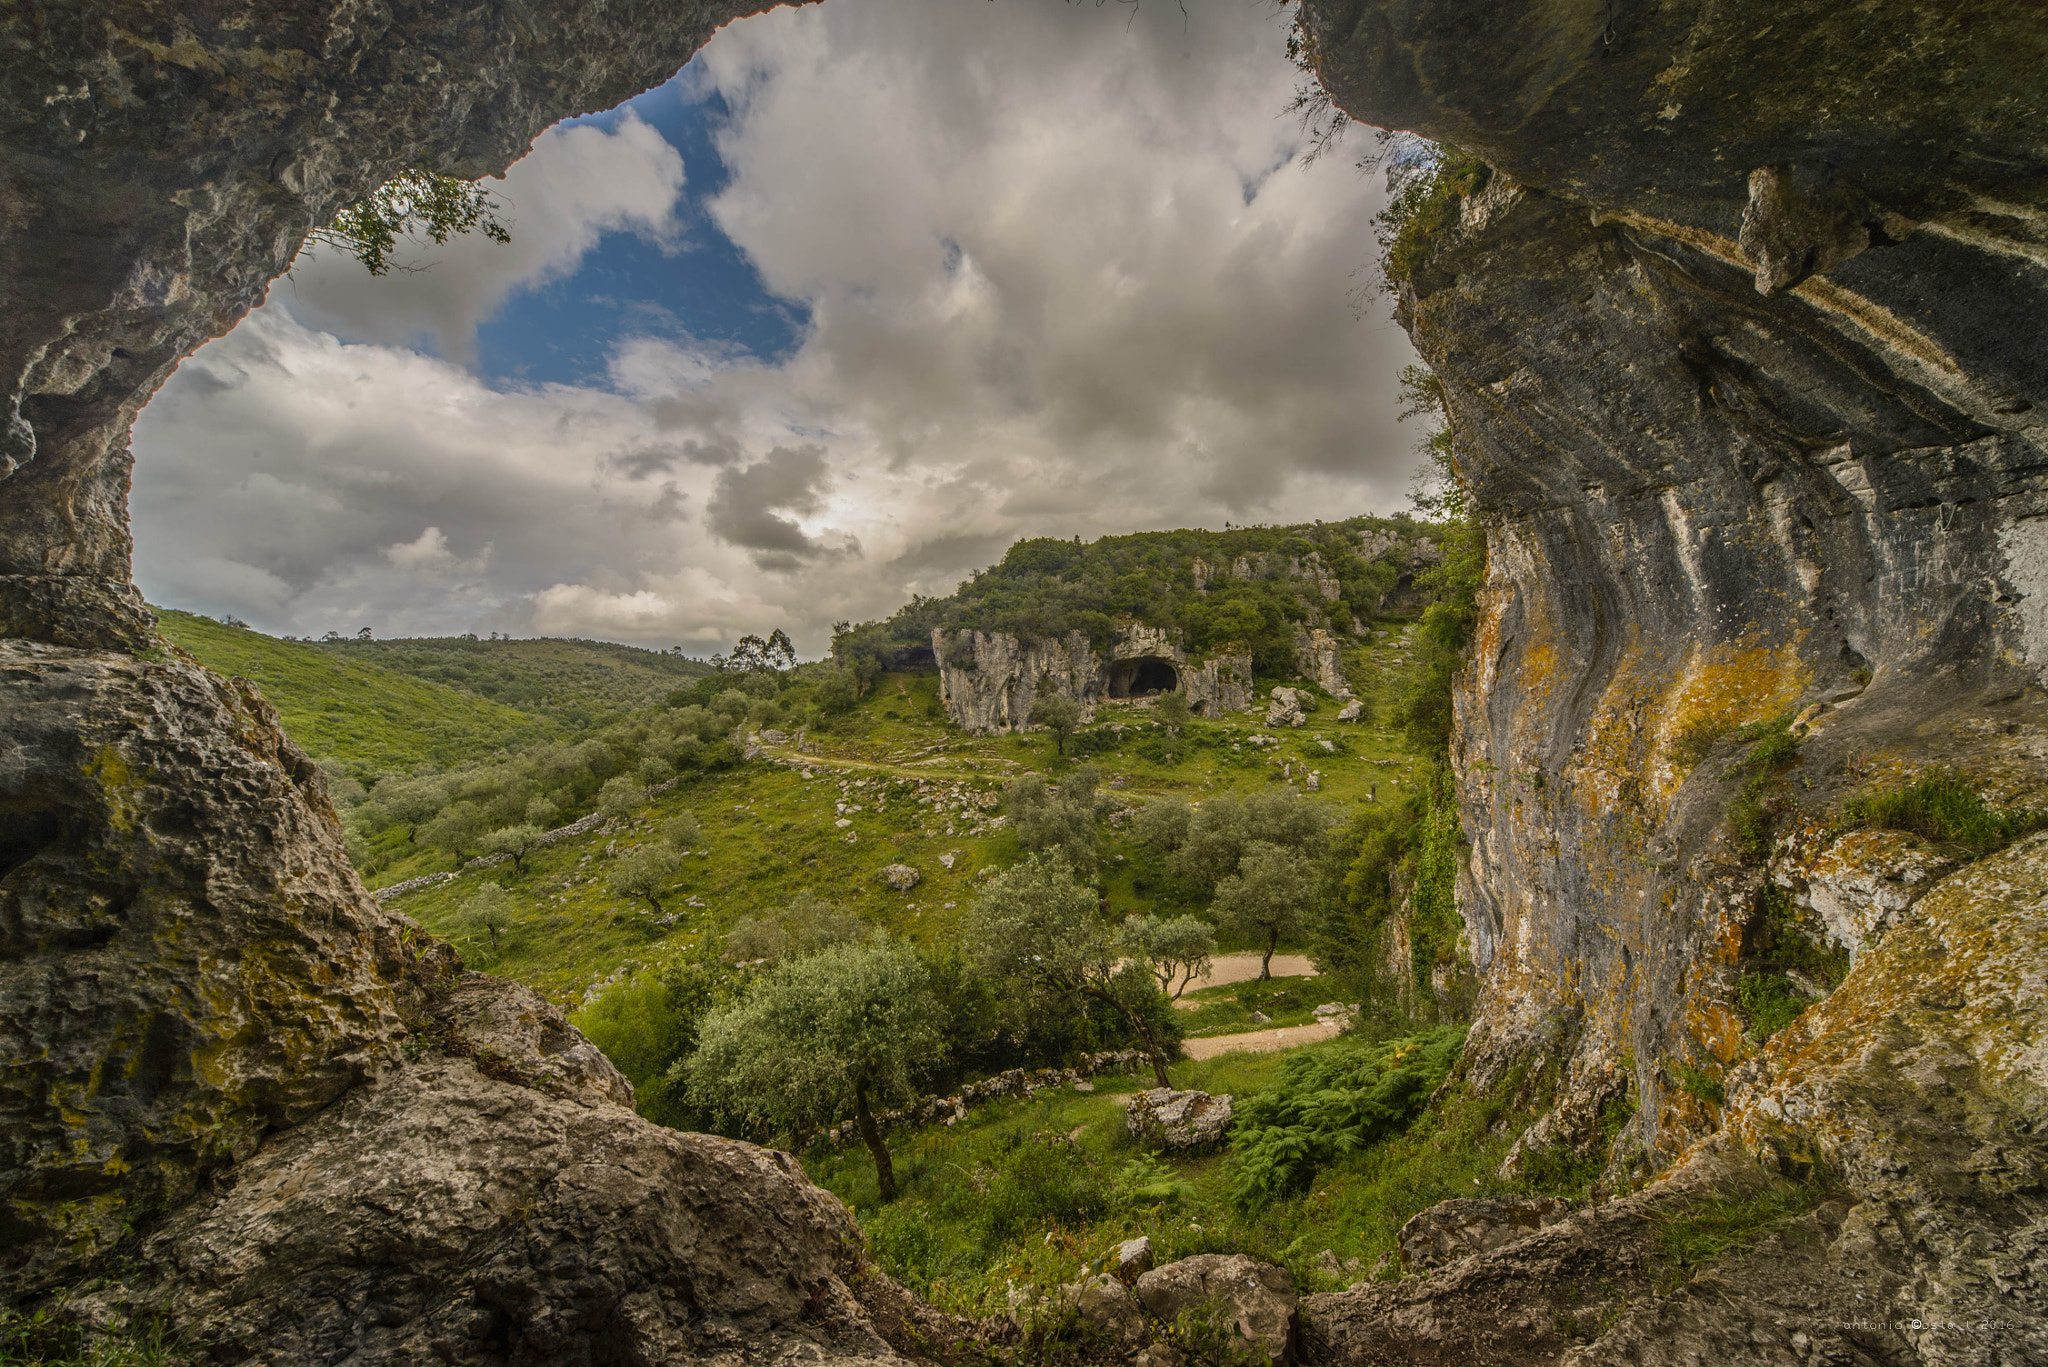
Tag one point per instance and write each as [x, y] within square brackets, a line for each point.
[849, 1026]
[414, 203]
[1270, 895]
[1036, 927]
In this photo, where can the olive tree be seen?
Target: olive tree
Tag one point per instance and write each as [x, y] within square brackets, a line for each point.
[645, 873]
[1269, 896]
[1058, 715]
[847, 1027]
[1061, 821]
[1181, 948]
[1036, 928]
[514, 842]
[490, 911]
[1172, 708]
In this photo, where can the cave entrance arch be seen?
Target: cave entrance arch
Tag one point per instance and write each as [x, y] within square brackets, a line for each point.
[1142, 677]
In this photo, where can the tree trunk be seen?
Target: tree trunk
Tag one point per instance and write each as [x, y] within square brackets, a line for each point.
[864, 1121]
[656, 905]
[1266, 964]
[1138, 1024]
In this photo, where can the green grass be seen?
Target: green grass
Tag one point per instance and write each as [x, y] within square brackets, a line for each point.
[1227, 1010]
[1709, 1228]
[349, 708]
[980, 1210]
[1769, 1002]
[1945, 809]
[573, 683]
[43, 1340]
[770, 834]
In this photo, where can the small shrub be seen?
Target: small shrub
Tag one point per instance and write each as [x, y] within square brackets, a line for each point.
[1770, 1002]
[1780, 937]
[1773, 747]
[1753, 817]
[1697, 1082]
[1942, 807]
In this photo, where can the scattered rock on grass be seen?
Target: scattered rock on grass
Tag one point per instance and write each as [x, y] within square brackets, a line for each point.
[1133, 1258]
[1177, 1120]
[901, 877]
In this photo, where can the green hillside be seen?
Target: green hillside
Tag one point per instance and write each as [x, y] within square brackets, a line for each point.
[1249, 586]
[575, 683]
[350, 707]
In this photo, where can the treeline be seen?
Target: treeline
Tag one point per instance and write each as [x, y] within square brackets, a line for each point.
[1046, 586]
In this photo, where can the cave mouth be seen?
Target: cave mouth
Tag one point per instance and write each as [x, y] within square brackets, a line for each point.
[1143, 677]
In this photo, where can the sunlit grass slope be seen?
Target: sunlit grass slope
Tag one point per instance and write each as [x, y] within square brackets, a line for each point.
[575, 683]
[770, 832]
[350, 708]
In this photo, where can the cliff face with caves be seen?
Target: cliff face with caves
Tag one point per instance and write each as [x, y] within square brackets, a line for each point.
[1743, 343]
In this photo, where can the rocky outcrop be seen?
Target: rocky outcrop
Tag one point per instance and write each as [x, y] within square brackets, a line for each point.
[989, 680]
[187, 961]
[477, 1205]
[1450, 1230]
[1749, 405]
[235, 1093]
[1321, 660]
[1257, 1300]
[1707, 504]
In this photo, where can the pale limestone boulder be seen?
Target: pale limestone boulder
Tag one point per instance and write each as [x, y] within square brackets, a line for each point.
[1258, 1298]
[1860, 883]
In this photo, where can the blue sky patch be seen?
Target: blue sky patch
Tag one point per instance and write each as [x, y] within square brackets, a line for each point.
[707, 292]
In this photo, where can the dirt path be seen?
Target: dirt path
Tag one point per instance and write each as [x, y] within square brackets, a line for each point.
[1240, 968]
[1259, 1041]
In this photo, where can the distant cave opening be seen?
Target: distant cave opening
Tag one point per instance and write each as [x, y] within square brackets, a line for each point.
[914, 657]
[1143, 677]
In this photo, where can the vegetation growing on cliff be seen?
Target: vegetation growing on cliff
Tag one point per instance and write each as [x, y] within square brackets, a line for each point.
[1944, 808]
[1046, 587]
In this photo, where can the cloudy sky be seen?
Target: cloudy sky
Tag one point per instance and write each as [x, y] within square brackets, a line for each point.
[863, 295]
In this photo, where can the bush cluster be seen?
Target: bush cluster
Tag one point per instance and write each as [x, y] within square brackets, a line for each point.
[1331, 1103]
[1047, 587]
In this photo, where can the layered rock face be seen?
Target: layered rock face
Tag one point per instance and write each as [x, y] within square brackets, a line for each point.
[989, 680]
[234, 1091]
[1744, 333]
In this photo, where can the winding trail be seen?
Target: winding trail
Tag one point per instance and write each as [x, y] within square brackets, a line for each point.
[1260, 1041]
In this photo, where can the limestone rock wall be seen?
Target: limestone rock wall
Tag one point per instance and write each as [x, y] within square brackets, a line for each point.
[988, 680]
[233, 1092]
[1705, 503]
[1745, 342]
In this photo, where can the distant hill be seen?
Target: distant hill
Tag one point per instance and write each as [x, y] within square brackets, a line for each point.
[1249, 586]
[348, 706]
[574, 683]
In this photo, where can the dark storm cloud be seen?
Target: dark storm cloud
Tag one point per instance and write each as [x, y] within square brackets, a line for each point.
[748, 506]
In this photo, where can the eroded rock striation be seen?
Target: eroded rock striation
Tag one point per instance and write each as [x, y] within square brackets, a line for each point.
[235, 1092]
[1741, 329]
